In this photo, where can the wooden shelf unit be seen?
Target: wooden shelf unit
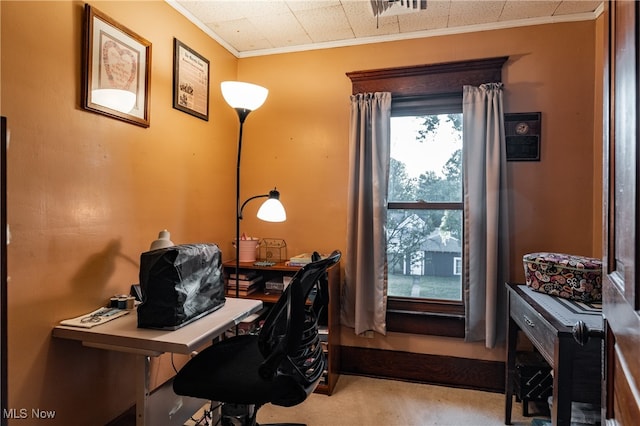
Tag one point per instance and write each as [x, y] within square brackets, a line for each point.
[278, 270]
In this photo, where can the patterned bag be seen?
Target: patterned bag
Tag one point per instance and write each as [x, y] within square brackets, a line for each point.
[564, 275]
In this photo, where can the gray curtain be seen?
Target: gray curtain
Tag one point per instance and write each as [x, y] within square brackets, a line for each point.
[486, 225]
[364, 299]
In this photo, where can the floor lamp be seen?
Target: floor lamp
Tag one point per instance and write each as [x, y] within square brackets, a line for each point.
[244, 98]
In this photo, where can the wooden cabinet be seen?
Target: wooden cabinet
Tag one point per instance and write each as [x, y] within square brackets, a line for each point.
[330, 326]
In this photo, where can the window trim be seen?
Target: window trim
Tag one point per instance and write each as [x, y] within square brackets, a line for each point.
[422, 316]
[457, 270]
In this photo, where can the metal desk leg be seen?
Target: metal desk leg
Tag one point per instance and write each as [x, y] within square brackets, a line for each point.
[160, 406]
[143, 363]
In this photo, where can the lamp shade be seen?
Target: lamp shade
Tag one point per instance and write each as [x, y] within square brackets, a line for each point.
[241, 95]
[272, 210]
[116, 99]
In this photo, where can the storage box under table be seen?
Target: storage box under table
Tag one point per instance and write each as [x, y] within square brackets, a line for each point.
[564, 275]
[533, 380]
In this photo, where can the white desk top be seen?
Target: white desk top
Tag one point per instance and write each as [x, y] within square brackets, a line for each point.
[123, 334]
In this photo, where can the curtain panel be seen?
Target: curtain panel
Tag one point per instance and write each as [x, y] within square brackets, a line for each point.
[365, 292]
[486, 224]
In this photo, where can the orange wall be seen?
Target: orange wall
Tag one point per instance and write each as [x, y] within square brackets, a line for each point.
[87, 193]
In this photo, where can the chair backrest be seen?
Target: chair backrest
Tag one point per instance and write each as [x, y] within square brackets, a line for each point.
[289, 339]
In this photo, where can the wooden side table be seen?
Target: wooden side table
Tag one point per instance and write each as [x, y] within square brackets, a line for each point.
[549, 325]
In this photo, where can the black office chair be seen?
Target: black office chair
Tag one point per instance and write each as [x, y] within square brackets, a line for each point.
[280, 365]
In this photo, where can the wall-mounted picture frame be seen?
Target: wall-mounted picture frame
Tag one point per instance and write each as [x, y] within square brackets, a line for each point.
[190, 81]
[522, 132]
[116, 69]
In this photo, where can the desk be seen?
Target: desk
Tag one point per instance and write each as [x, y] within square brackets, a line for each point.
[548, 324]
[162, 407]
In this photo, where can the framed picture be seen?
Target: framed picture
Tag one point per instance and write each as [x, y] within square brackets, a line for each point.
[522, 135]
[116, 69]
[190, 81]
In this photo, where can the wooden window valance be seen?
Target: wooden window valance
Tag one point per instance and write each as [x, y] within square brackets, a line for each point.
[448, 77]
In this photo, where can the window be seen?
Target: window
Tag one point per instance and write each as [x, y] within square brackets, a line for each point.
[457, 266]
[424, 217]
[425, 205]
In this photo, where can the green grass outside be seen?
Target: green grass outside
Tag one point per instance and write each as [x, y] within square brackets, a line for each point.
[426, 286]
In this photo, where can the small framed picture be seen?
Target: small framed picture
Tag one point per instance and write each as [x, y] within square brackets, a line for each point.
[116, 69]
[190, 81]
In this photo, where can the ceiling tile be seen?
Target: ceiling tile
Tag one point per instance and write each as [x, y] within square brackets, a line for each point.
[241, 34]
[434, 17]
[438, 7]
[568, 7]
[296, 5]
[474, 12]
[281, 30]
[420, 22]
[325, 24]
[253, 8]
[213, 11]
[528, 9]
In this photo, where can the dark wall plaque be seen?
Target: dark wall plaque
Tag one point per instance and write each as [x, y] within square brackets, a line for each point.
[522, 133]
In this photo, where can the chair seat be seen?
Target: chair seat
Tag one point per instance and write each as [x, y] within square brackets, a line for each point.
[215, 372]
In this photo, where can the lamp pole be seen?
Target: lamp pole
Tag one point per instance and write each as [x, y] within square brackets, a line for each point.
[244, 98]
[242, 115]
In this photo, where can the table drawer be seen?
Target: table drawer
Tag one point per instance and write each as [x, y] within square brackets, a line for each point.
[537, 329]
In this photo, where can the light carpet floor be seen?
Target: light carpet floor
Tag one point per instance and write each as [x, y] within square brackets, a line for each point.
[367, 401]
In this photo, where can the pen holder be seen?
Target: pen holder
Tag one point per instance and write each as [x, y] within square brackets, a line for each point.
[247, 252]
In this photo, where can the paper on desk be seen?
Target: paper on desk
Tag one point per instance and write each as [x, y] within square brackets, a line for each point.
[97, 317]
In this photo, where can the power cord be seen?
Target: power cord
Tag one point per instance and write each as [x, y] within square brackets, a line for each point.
[207, 416]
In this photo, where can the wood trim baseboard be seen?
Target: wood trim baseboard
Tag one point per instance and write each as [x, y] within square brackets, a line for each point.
[442, 370]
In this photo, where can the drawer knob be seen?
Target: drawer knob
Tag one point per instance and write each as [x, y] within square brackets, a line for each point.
[529, 322]
[582, 333]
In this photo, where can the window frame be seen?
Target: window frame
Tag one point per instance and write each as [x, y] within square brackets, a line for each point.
[457, 270]
[444, 80]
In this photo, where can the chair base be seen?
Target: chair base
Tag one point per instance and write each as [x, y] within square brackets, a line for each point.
[245, 415]
[238, 415]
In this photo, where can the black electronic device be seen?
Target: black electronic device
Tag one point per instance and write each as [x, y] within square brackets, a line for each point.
[136, 291]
